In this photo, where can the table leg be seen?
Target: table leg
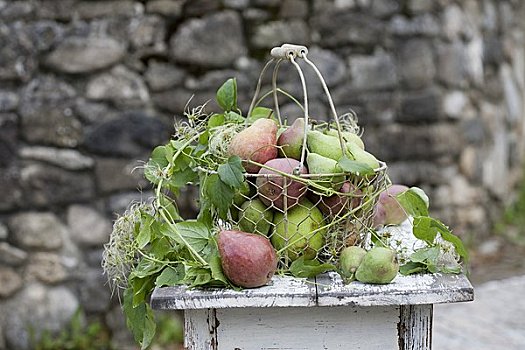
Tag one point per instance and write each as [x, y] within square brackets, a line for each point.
[415, 327]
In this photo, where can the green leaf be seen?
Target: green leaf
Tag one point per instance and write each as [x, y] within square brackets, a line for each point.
[259, 113]
[216, 269]
[447, 235]
[421, 194]
[425, 254]
[412, 267]
[144, 236]
[160, 247]
[234, 117]
[354, 167]
[182, 178]
[231, 173]
[145, 268]
[195, 233]
[198, 276]
[423, 229]
[309, 268]
[216, 120]
[134, 315]
[171, 276]
[413, 203]
[150, 328]
[220, 194]
[227, 95]
[158, 156]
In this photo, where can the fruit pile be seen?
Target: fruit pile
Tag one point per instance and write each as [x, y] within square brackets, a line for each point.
[299, 199]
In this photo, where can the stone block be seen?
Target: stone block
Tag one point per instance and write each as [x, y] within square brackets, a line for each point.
[148, 31]
[17, 10]
[8, 101]
[200, 7]
[46, 185]
[414, 142]
[11, 255]
[424, 24]
[8, 138]
[421, 106]
[36, 230]
[373, 72]
[167, 8]
[46, 267]
[120, 85]
[275, 33]
[93, 9]
[116, 174]
[414, 173]
[293, 9]
[415, 62]
[162, 76]
[87, 226]
[94, 293]
[10, 188]
[201, 41]
[176, 100]
[118, 203]
[10, 282]
[17, 53]
[83, 55]
[132, 134]
[385, 8]
[336, 27]
[372, 108]
[40, 309]
[4, 233]
[64, 158]
[452, 63]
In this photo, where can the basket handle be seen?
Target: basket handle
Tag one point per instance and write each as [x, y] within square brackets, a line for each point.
[290, 52]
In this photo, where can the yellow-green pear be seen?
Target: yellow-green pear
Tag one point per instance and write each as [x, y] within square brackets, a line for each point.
[324, 145]
[362, 156]
[379, 266]
[317, 164]
[255, 217]
[348, 137]
[301, 232]
[349, 261]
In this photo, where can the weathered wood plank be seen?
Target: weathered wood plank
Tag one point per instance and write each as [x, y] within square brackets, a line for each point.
[327, 291]
[281, 292]
[415, 327]
[404, 290]
[200, 329]
[308, 328]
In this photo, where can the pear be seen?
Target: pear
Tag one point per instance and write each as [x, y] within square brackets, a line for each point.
[349, 261]
[257, 143]
[295, 232]
[324, 145]
[318, 164]
[362, 156]
[338, 204]
[248, 260]
[348, 137]
[388, 211]
[379, 266]
[241, 195]
[254, 217]
[291, 140]
[273, 188]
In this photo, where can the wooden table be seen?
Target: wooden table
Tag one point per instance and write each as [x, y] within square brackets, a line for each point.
[321, 313]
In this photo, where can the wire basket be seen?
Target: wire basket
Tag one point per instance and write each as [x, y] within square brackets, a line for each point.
[305, 213]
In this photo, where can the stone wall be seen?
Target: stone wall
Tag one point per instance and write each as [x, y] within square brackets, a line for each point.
[87, 88]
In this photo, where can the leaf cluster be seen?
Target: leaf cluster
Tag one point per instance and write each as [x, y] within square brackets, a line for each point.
[443, 251]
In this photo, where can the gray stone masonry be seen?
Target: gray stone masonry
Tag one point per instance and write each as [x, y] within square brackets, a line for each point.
[88, 88]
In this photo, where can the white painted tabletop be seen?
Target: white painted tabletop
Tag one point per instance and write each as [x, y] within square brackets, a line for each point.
[325, 290]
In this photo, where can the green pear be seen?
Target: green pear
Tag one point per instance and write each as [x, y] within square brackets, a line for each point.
[291, 140]
[362, 156]
[324, 145]
[294, 233]
[349, 261]
[255, 217]
[379, 266]
[348, 137]
[318, 164]
[241, 195]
